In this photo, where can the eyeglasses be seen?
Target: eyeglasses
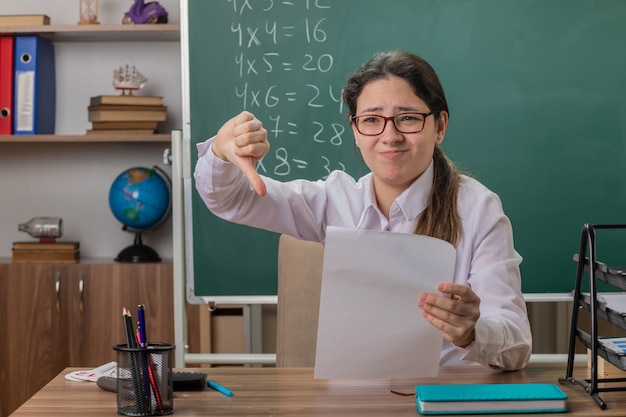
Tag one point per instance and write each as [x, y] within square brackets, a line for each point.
[373, 124]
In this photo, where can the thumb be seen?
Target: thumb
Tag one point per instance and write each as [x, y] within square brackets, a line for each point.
[246, 165]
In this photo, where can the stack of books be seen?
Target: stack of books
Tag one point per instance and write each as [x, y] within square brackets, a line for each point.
[126, 114]
[54, 252]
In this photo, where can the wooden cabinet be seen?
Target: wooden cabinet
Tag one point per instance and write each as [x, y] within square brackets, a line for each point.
[108, 290]
[33, 331]
[54, 316]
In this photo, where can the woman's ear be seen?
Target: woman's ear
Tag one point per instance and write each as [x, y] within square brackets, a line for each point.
[355, 133]
[442, 124]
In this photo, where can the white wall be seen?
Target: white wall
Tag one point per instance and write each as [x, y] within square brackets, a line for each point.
[72, 180]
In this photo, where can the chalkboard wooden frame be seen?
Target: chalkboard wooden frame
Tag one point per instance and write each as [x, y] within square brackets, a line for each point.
[536, 92]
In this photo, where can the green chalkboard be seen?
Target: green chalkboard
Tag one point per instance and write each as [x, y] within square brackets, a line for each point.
[537, 95]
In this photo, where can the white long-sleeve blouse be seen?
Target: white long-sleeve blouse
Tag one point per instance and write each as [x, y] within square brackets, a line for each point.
[486, 259]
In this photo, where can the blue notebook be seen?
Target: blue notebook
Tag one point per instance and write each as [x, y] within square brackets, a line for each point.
[490, 398]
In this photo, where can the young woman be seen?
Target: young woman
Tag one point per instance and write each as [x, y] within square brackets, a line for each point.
[399, 114]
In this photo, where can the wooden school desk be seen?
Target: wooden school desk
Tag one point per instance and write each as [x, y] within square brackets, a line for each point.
[293, 392]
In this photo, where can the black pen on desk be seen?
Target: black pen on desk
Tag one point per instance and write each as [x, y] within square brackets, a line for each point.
[141, 320]
[147, 360]
[219, 388]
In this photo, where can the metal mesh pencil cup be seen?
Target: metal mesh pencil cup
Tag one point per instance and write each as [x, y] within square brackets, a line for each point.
[144, 380]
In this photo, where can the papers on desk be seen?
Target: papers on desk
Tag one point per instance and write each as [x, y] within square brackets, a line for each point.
[614, 301]
[608, 301]
[616, 345]
[108, 369]
[370, 325]
[490, 398]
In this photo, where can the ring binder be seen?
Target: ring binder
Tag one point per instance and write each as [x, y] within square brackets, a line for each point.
[34, 93]
[6, 85]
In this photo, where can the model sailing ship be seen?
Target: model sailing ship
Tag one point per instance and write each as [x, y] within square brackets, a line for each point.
[128, 79]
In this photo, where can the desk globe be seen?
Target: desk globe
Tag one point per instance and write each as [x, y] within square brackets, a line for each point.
[140, 199]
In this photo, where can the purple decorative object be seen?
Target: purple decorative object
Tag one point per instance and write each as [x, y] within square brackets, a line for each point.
[151, 12]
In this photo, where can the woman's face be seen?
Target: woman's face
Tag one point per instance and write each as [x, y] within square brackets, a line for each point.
[397, 159]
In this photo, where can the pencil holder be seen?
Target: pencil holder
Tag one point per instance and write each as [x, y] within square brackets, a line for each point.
[144, 380]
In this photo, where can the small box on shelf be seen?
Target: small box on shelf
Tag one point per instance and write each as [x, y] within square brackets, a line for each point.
[53, 252]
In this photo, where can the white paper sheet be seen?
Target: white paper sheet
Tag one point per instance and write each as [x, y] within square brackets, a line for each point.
[370, 325]
[614, 301]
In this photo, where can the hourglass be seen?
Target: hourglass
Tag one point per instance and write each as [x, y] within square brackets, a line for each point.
[88, 12]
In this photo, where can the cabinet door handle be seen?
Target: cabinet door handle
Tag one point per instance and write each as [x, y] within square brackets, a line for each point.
[81, 291]
[57, 289]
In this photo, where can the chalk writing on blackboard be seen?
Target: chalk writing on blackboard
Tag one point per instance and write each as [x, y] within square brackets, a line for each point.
[272, 83]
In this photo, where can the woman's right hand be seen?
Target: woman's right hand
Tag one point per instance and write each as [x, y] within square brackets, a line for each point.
[242, 141]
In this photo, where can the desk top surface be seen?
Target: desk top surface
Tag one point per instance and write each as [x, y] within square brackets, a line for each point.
[294, 392]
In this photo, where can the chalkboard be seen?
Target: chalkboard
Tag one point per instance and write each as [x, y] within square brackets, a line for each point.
[537, 96]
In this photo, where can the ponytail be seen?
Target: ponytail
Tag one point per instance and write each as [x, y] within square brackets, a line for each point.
[441, 219]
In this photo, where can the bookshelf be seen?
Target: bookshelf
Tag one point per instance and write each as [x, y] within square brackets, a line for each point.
[95, 33]
[101, 33]
[154, 138]
[69, 172]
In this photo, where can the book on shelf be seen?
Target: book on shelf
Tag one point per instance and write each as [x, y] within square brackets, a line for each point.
[46, 246]
[24, 20]
[131, 108]
[127, 100]
[124, 125]
[490, 398]
[62, 252]
[121, 132]
[103, 113]
[44, 257]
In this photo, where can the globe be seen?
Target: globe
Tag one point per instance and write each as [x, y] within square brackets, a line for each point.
[140, 199]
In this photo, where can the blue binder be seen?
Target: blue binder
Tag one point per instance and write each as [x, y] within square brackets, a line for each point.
[34, 90]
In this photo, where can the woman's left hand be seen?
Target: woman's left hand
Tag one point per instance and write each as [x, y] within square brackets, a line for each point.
[455, 315]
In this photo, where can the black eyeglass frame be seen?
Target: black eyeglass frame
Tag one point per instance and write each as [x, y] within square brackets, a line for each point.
[393, 119]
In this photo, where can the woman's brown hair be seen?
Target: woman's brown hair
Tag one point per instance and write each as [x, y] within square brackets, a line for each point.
[440, 219]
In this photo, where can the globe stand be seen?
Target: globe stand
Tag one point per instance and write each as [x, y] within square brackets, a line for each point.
[138, 252]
